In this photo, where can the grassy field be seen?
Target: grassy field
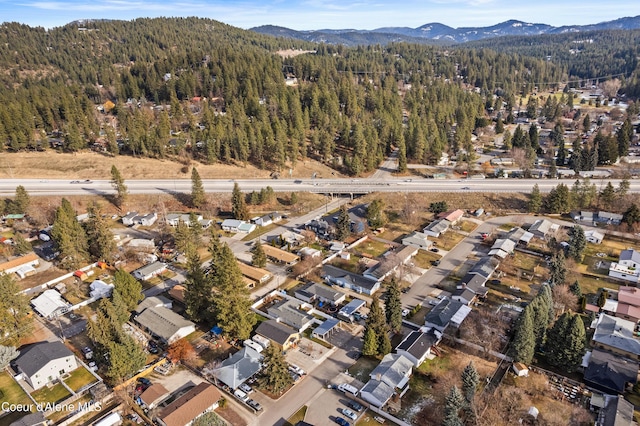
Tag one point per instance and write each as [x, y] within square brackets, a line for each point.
[424, 258]
[11, 391]
[449, 240]
[54, 394]
[372, 248]
[298, 416]
[79, 378]
[363, 367]
[260, 230]
[467, 226]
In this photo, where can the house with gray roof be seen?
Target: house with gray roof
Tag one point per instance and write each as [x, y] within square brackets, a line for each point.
[390, 262]
[437, 227]
[541, 228]
[502, 248]
[349, 280]
[417, 239]
[390, 377]
[44, 363]
[628, 266]
[485, 267]
[616, 412]
[153, 302]
[519, 236]
[446, 312]
[33, 419]
[320, 292]
[288, 311]
[165, 324]
[278, 333]
[616, 335]
[239, 367]
[376, 393]
[417, 345]
[610, 373]
[470, 287]
[149, 271]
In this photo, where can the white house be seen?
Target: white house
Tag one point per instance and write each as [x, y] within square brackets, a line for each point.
[628, 266]
[594, 237]
[416, 347]
[231, 225]
[14, 265]
[437, 227]
[43, 363]
[389, 377]
[149, 271]
[50, 304]
[417, 239]
[100, 289]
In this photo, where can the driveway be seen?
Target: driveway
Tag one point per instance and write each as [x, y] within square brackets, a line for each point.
[327, 405]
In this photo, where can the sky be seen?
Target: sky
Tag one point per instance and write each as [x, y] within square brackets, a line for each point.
[322, 14]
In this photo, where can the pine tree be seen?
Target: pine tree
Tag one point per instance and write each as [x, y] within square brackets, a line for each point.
[470, 380]
[238, 204]
[258, 257]
[546, 296]
[198, 197]
[69, 236]
[20, 245]
[384, 343]
[20, 203]
[632, 215]
[276, 371]
[602, 297]
[293, 199]
[535, 199]
[453, 403]
[375, 214]
[577, 242]
[370, 342]
[567, 342]
[15, 321]
[393, 307]
[198, 289]
[231, 302]
[343, 225]
[557, 269]
[129, 288]
[102, 246]
[125, 358]
[540, 311]
[608, 195]
[118, 184]
[524, 340]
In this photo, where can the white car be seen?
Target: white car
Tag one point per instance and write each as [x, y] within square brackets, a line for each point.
[348, 413]
[405, 312]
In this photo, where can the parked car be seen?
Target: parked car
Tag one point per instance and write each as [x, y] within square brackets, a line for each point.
[254, 404]
[246, 388]
[144, 381]
[355, 406]
[433, 249]
[405, 312]
[436, 262]
[350, 414]
[341, 421]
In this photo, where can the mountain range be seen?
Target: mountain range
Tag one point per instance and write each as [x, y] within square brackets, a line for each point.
[437, 33]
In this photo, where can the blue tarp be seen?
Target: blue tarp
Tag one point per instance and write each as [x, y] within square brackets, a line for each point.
[216, 330]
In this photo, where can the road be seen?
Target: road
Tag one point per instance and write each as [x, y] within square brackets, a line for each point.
[389, 166]
[323, 186]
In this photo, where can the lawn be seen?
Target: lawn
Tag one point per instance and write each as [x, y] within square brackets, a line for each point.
[449, 240]
[260, 230]
[79, 377]
[424, 258]
[418, 317]
[467, 226]
[350, 265]
[11, 392]
[363, 367]
[372, 248]
[54, 394]
[298, 416]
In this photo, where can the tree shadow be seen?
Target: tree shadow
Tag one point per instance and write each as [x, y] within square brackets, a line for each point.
[181, 197]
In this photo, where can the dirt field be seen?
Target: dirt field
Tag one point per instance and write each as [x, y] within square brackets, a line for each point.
[92, 165]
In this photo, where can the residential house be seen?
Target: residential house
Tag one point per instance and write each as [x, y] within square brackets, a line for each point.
[594, 237]
[502, 248]
[290, 238]
[154, 395]
[280, 256]
[309, 252]
[349, 280]
[541, 228]
[485, 267]
[268, 219]
[33, 419]
[390, 262]
[289, 312]
[628, 266]
[239, 367]
[174, 218]
[246, 228]
[142, 244]
[256, 275]
[417, 239]
[279, 334]
[149, 271]
[519, 236]
[165, 324]
[584, 216]
[446, 312]
[133, 218]
[320, 227]
[628, 303]
[153, 302]
[44, 363]
[231, 225]
[616, 335]
[47, 251]
[50, 304]
[437, 227]
[128, 219]
[320, 292]
[453, 216]
[14, 265]
[198, 400]
[616, 412]
[416, 347]
[390, 377]
[609, 218]
[470, 287]
[347, 312]
[357, 219]
[99, 289]
[610, 373]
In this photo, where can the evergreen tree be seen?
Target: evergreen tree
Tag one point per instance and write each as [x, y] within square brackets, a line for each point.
[623, 188]
[238, 204]
[20, 245]
[470, 381]
[567, 340]
[102, 246]
[69, 236]
[540, 311]
[343, 225]
[129, 288]
[453, 403]
[608, 195]
[276, 371]
[7, 354]
[293, 199]
[258, 258]
[546, 296]
[198, 197]
[118, 184]
[231, 303]
[524, 340]
[370, 342]
[535, 199]
[393, 306]
[15, 322]
[577, 242]
[632, 215]
[198, 289]
[557, 269]
[125, 358]
[375, 214]
[438, 207]
[20, 202]
[576, 289]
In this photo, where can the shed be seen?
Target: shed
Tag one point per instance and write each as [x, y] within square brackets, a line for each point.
[325, 328]
[520, 369]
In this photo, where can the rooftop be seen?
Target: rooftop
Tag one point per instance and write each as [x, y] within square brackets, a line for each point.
[37, 356]
[355, 279]
[617, 333]
[190, 405]
[417, 343]
[162, 322]
[276, 331]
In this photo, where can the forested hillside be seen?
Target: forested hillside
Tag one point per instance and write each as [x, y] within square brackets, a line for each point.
[197, 88]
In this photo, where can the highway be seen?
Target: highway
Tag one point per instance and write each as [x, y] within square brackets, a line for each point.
[38, 187]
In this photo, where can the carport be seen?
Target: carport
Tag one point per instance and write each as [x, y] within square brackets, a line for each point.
[326, 328]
